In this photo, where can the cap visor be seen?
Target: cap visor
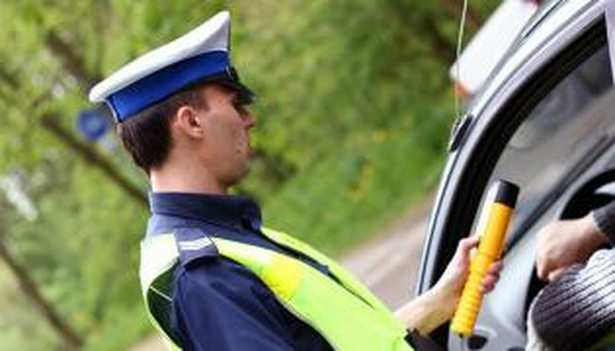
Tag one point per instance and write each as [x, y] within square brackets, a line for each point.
[244, 93]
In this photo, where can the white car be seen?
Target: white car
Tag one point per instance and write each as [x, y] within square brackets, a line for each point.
[545, 120]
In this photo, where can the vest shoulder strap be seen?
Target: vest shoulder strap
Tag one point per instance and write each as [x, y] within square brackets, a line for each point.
[348, 280]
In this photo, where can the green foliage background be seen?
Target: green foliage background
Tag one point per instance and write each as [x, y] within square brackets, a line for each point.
[353, 118]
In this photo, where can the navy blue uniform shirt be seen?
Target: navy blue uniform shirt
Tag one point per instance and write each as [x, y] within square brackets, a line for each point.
[218, 304]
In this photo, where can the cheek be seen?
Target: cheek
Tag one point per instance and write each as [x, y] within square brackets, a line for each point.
[230, 139]
[236, 138]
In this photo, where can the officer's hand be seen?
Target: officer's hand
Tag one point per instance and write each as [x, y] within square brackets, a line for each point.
[428, 311]
[566, 242]
[451, 283]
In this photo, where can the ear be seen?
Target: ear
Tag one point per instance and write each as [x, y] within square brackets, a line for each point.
[189, 121]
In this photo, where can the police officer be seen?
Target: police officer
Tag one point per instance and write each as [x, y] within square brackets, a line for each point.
[212, 276]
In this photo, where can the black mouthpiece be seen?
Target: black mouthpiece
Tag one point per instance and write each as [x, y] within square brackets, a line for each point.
[507, 193]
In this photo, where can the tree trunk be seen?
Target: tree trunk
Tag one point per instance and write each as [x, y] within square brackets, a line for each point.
[31, 290]
[91, 156]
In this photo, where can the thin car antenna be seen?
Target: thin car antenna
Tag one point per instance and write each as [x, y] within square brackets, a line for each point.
[462, 25]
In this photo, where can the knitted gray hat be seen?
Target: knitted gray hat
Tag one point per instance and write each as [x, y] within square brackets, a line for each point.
[576, 310]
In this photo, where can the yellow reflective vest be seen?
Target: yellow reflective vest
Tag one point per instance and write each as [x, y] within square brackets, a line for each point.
[345, 312]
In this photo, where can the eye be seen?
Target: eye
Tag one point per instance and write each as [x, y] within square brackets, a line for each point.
[239, 104]
[236, 101]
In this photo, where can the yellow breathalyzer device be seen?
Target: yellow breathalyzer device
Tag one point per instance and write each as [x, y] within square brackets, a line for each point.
[492, 226]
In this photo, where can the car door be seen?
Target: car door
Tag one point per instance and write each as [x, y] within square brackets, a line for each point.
[545, 122]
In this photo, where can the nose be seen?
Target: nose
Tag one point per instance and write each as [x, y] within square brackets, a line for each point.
[249, 119]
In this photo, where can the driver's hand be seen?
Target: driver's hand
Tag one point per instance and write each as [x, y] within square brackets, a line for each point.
[563, 243]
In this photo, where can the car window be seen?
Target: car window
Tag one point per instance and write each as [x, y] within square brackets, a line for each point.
[566, 131]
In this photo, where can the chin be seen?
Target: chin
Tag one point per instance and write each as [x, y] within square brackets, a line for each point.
[239, 176]
[245, 172]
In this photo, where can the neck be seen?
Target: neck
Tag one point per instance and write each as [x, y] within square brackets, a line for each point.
[185, 176]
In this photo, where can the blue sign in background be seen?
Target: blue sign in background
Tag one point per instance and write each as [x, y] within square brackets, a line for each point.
[93, 124]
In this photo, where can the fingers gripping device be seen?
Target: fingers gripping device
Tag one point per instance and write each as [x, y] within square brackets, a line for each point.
[492, 226]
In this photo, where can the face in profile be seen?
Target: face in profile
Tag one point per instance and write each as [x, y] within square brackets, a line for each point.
[226, 143]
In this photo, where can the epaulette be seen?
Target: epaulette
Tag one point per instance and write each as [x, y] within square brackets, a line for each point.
[194, 244]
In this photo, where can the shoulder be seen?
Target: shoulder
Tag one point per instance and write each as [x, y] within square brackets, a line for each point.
[187, 240]
[213, 272]
[206, 275]
[194, 244]
[202, 266]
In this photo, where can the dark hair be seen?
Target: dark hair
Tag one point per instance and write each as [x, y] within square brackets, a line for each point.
[147, 136]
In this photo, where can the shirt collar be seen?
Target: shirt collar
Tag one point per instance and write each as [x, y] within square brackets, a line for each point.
[228, 210]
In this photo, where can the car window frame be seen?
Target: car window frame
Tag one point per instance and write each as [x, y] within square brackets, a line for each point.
[609, 17]
[464, 168]
[438, 247]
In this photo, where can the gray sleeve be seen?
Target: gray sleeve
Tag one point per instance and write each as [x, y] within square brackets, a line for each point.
[578, 309]
[605, 221]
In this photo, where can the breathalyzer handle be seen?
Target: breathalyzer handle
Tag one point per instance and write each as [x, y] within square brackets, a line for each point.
[493, 224]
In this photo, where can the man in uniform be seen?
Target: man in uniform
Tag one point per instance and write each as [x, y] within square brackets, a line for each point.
[212, 276]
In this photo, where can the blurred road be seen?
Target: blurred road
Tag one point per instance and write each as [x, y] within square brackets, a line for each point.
[388, 265]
